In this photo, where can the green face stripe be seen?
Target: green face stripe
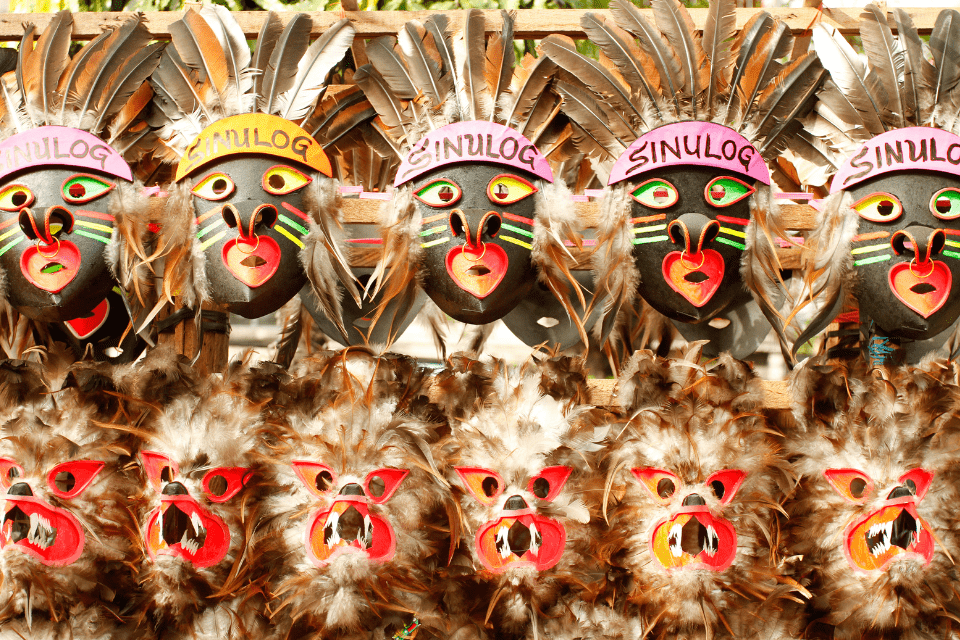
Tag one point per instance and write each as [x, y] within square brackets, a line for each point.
[293, 224]
[117, 291]
[210, 228]
[81, 232]
[430, 232]
[650, 239]
[733, 232]
[11, 244]
[522, 232]
[13, 231]
[516, 241]
[94, 225]
[859, 263]
[732, 243]
[870, 249]
[432, 243]
[204, 245]
[951, 254]
[650, 229]
[289, 235]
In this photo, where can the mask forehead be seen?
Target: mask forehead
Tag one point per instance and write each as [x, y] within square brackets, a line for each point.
[911, 148]
[60, 146]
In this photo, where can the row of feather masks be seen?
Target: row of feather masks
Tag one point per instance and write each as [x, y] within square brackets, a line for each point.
[685, 126]
[882, 128]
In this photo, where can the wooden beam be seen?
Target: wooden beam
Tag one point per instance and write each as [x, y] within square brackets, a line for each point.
[530, 24]
[776, 393]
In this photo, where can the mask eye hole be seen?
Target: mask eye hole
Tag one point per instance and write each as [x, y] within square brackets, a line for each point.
[507, 188]
[439, 193]
[879, 207]
[549, 482]
[662, 485]
[223, 483]
[917, 481]
[725, 484]
[158, 468]
[70, 479]
[490, 486]
[84, 188]
[15, 197]
[726, 190]
[319, 479]
[10, 473]
[485, 485]
[214, 187]
[945, 204]
[382, 483]
[656, 194]
[281, 180]
[853, 485]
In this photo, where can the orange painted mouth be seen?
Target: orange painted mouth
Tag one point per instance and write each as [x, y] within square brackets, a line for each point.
[477, 271]
[182, 528]
[53, 536]
[521, 539]
[252, 262]
[349, 527]
[53, 268]
[696, 277]
[694, 540]
[889, 533]
[923, 288]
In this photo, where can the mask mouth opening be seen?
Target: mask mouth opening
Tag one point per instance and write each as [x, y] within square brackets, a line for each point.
[179, 527]
[349, 527]
[53, 536]
[893, 532]
[694, 540]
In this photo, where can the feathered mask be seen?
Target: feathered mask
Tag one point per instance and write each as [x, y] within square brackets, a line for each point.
[694, 484]
[887, 123]
[477, 213]
[688, 123]
[253, 205]
[874, 516]
[70, 214]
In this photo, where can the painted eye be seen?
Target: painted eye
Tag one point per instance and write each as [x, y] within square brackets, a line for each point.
[215, 186]
[318, 478]
[381, 484]
[70, 479]
[10, 473]
[486, 486]
[725, 191]
[223, 483]
[945, 204]
[507, 189]
[159, 468]
[15, 197]
[656, 194]
[855, 486]
[918, 481]
[281, 180]
[660, 484]
[439, 193]
[548, 483]
[84, 188]
[879, 207]
[726, 483]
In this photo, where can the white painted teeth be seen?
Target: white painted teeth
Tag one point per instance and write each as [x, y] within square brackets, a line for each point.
[198, 529]
[712, 542]
[41, 533]
[882, 530]
[676, 531]
[367, 541]
[535, 539]
[502, 543]
[331, 529]
[188, 544]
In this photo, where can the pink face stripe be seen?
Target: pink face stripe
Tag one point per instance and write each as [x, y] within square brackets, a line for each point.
[94, 214]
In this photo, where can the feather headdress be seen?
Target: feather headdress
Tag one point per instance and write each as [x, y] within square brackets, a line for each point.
[873, 515]
[429, 83]
[893, 108]
[693, 486]
[215, 101]
[662, 74]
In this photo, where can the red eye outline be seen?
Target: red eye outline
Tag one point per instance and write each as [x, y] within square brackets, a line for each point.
[212, 196]
[650, 478]
[6, 464]
[308, 471]
[420, 194]
[285, 189]
[391, 481]
[674, 194]
[9, 189]
[108, 187]
[523, 184]
[473, 479]
[153, 465]
[921, 479]
[83, 471]
[731, 479]
[720, 205]
[841, 479]
[236, 477]
[868, 215]
[556, 478]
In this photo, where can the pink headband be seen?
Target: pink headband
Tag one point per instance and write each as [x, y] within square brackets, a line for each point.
[693, 142]
[472, 142]
[60, 146]
[924, 148]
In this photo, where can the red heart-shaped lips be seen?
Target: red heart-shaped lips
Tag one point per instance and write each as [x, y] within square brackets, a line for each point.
[923, 288]
[252, 263]
[53, 268]
[694, 276]
[83, 328]
[477, 271]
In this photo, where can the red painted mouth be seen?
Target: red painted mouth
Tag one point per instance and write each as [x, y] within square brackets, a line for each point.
[182, 528]
[520, 539]
[83, 328]
[924, 287]
[53, 536]
[894, 531]
[252, 262]
[694, 539]
[53, 268]
[477, 271]
[695, 276]
[349, 527]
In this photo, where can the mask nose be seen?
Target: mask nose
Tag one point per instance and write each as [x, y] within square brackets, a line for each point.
[515, 502]
[174, 489]
[20, 489]
[488, 227]
[250, 222]
[899, 492]
[352, 489]
[45, 227]
[693, 500]
[924, 242]
[693, 230]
